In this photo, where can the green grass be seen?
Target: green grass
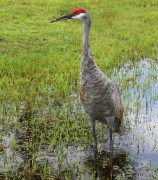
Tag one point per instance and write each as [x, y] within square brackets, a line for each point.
[36, 55]
[40, 63]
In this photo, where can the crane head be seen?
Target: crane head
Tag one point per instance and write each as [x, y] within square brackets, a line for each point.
[79, 14]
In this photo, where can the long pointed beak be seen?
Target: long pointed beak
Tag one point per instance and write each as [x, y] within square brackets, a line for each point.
[68, 16]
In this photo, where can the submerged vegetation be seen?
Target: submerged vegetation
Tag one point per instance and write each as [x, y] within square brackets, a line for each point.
[41, 119]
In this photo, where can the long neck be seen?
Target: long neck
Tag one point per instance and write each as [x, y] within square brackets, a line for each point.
[88, 64]
[86, 30]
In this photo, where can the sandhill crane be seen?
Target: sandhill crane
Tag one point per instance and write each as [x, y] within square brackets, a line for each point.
[99, 95]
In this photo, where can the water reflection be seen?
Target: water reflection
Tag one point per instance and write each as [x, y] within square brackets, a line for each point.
[135, 149]
[101, 167]
[139, 142]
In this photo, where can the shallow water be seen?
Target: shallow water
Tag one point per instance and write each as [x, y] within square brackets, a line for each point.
[136, 154]
[135, 149]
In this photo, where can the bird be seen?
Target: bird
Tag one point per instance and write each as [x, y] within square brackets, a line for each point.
[100, 96]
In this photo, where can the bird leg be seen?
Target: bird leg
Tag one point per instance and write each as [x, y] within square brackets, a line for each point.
[110, 123]
[96, 164]
[92, 122]
[94, 136]
[111, 149]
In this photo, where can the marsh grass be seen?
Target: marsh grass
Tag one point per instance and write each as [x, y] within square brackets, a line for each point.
[39, 71]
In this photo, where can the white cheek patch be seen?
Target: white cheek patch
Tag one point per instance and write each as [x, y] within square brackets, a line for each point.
[78, 17]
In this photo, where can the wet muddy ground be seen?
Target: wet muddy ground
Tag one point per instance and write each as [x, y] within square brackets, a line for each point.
[135, 149]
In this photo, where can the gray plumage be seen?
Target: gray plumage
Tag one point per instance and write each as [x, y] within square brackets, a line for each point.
[99, 95]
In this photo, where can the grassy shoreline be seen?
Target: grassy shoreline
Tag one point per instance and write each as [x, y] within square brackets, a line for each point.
[40, 66]
[39, 55]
